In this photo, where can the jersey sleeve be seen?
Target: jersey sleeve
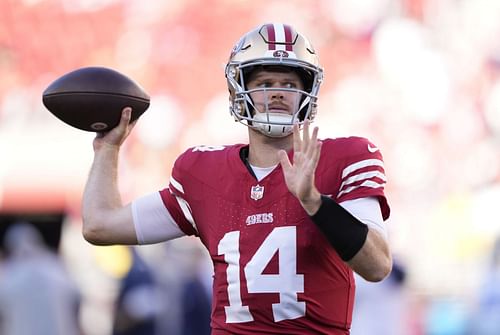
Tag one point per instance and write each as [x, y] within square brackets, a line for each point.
[367, 210]
[362, 173]
[152, 220]
[176, 199]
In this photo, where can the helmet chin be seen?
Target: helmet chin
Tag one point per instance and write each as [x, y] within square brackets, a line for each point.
[273, 124]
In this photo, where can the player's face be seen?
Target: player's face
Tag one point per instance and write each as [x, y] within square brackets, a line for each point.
[275, 100]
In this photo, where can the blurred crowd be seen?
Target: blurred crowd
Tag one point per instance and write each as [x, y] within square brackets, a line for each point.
[420, 78]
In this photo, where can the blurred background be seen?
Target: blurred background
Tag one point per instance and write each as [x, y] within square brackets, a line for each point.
[420, 78]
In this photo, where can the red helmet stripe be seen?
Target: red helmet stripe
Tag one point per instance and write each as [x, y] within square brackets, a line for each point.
[288, 37]
[271, 35]
[281, 35]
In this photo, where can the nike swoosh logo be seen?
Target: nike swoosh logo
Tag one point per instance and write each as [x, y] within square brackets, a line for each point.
[372, 149]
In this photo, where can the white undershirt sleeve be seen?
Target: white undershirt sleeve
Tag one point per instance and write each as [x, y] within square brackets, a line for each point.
[153, 223]
[367, 210]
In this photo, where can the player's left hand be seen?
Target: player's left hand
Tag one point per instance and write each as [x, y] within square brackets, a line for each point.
[299, 175]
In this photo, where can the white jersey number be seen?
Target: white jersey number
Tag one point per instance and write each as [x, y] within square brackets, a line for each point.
[204, 148]
[287, 282]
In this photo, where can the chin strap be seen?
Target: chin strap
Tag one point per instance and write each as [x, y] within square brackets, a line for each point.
[273, 124]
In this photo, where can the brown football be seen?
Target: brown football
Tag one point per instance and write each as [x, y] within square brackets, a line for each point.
[92, 98]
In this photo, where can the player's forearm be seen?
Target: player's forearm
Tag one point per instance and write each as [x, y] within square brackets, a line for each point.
[373, 261]
[101, 194]
[364, 249]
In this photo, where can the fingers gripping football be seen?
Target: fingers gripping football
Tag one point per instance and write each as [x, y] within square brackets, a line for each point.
[116, 136]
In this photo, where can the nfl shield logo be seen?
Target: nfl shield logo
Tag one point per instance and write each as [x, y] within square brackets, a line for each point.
[257, 192]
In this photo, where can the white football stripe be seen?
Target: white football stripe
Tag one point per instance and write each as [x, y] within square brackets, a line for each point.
[362, 176]
[176, 185]
[367, 183]
[361, 164]
[186, 210]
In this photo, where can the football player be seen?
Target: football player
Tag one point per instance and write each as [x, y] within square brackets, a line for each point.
[286, 217]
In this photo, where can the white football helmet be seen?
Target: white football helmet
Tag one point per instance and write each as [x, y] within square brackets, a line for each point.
[273, 45]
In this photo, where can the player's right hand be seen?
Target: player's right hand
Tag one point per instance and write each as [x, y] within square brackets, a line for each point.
[116, 136]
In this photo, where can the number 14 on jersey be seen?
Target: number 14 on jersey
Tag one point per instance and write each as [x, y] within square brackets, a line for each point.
[286, 282]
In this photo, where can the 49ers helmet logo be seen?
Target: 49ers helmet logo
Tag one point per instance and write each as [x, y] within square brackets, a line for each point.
[280, 54]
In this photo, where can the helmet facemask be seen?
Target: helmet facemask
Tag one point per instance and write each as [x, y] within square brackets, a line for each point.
[238, 71]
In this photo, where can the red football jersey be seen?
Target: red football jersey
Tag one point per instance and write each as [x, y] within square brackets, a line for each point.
[275, 273]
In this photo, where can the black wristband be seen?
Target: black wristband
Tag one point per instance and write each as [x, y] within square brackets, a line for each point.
[345, 233]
